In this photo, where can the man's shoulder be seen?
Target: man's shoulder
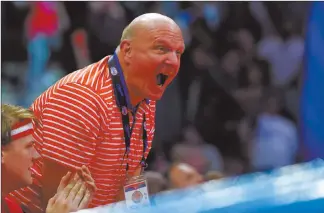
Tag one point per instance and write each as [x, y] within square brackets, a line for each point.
[85, 79]
[86, 76]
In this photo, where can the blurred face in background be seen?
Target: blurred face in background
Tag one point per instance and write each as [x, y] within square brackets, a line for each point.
[183, 175]
[17, 160]
[201, 58]
[245, 40]
[192, 136]
[272, 105]
[191, 155]
[231, 62]
[153, 55]
[254, 75]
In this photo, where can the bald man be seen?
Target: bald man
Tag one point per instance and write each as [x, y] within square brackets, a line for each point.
[102, 116]
[182, 175]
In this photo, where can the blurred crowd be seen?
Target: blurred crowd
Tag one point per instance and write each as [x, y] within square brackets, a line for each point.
[233, 107]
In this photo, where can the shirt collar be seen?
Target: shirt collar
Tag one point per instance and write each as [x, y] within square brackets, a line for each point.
[123, 84]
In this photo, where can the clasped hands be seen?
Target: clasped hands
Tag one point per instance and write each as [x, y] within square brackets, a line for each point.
[74, 192]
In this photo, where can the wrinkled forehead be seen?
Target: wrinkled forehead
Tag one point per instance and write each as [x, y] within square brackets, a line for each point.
[160, 32]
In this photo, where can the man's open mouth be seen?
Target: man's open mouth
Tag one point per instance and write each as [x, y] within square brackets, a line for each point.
[161, 79]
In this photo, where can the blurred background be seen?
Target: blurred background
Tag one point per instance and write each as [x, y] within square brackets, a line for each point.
[234, 106]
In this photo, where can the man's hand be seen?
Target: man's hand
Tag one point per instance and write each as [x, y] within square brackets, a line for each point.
[73, 193]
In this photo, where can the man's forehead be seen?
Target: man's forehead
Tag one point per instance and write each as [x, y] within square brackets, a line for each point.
[150, 39]
[174, 43]
[156, 30]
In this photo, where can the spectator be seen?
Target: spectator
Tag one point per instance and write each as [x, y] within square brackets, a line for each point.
[182, 175]
[275, 142]
[214, 175]
[193, 138]
[156, 182]
[230, 67]
[247, 44]
[190, 155]
[284, 51]
[44, 27]
[253, 80]
[104, 33]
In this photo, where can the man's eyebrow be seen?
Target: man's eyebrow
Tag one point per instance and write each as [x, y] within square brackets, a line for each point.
[162, 42]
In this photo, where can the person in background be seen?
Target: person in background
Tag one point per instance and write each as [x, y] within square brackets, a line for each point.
[17, 157]
[103, 31]
[45, 24]
[282, 46]
[190, 155]
[156, 182]
[214, 175]
[211, 153]
[275, 141]
[182, 175]
[254, 79]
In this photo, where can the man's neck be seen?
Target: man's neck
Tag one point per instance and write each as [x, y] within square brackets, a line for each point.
[133, 95]
[7, 188]
[4, 189]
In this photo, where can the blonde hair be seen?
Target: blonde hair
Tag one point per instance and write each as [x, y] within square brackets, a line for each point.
[10, 115]
[214, 175]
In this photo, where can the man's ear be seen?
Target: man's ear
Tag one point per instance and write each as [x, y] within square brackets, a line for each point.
[126, 49]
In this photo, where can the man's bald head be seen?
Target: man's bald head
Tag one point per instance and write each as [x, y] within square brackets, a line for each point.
[149, 52]
[145, 22]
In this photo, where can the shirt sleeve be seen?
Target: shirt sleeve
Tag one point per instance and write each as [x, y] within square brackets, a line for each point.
[71, 123]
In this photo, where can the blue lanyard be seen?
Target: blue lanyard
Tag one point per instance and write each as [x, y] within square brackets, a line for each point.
[121, 95]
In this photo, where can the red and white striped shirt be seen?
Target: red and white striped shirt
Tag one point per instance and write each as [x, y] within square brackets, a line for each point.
[80, 124]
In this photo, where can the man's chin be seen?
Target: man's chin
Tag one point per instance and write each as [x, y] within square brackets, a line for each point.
[28, 179]
[155, 96]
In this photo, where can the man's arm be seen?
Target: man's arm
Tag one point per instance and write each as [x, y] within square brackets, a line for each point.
[70, 129]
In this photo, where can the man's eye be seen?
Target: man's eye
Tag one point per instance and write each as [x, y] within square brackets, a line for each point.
[179, 53]
[162, 49]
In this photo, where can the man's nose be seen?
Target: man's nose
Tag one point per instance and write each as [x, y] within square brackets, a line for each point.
[173, 59]
[35, 154]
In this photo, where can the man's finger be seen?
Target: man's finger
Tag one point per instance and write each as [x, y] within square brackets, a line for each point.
[66, 191]
[86, 173]
[86, 199]
[80, 194]
[87, 177]
[73, 192]
[64, 181]
[85, 169]
[91, 186]
[52, 201]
